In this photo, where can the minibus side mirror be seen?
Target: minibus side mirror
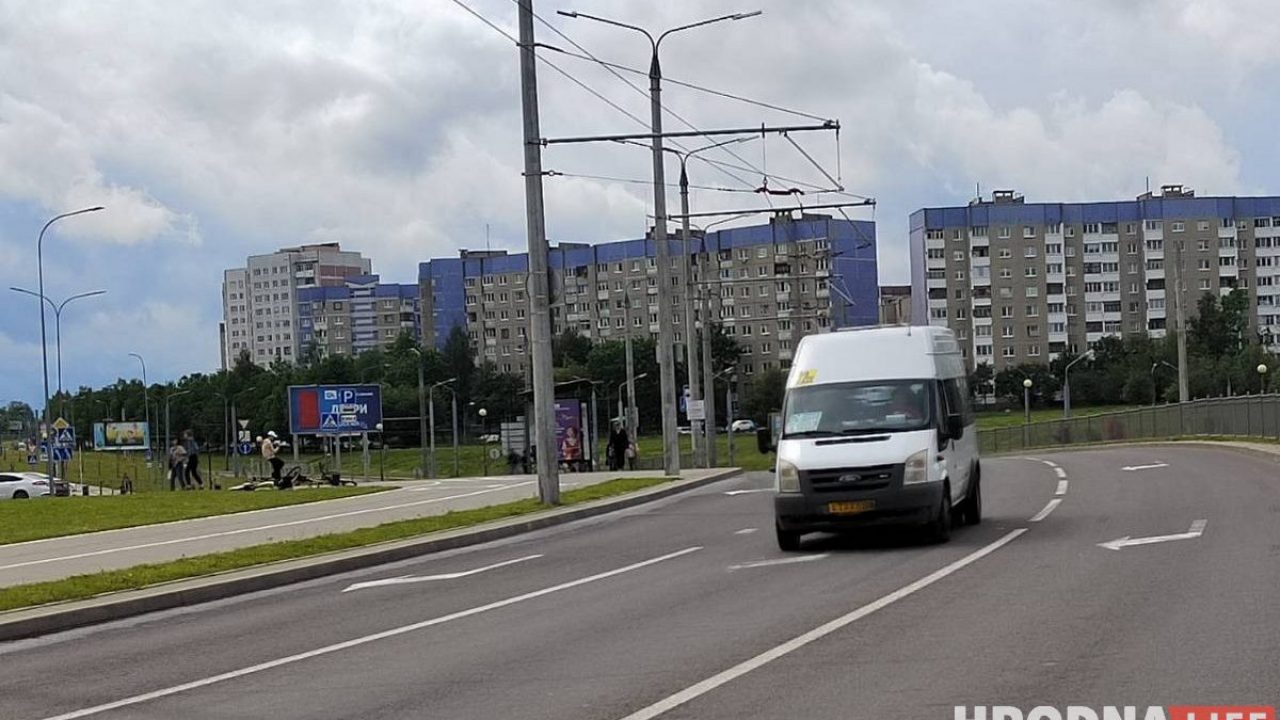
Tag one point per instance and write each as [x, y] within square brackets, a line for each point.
[764, 440]
[955, 426]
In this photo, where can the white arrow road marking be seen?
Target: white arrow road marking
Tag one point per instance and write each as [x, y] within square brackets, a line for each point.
[1053, 505]
[780, 561]
[747, 492]
[363, 640]
[1197, 529]
[1062, 488]
[1131, 468]
[407, 579]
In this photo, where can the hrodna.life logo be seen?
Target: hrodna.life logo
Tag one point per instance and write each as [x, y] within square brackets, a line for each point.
[1116, 712]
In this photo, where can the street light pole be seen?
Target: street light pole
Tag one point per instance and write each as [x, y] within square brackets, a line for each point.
[1066, 384]
[666, 359]
[146, 404]
[484, 439]
[422, 421]
[44, 338]
[432, 405]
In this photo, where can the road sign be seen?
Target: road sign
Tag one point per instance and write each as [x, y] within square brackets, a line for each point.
[61, 424]
[495, 453]
[334, 409]
[245, 448]
[61, 454]
[244, 424]
[64, 436]
[245, 436]
[33, 459]
[697, 410]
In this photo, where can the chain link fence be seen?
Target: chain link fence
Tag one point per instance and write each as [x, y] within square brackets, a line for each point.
[1244, 416]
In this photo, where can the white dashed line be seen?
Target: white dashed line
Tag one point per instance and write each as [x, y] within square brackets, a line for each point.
[1062, 488]
[1060, 472]
[744, 531]
[1053, 505]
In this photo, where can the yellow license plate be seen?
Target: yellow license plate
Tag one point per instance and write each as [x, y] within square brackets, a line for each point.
[850, 508]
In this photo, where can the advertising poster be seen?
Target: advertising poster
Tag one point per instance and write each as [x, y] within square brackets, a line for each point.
[569, 430]
[120, 436]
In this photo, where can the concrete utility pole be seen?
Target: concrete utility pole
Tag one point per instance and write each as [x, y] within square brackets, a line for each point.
[633, 416]
[1183, 393]
[539, 299]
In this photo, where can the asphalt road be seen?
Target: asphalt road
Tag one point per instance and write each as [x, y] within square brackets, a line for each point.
[56, 558]
[679, 610]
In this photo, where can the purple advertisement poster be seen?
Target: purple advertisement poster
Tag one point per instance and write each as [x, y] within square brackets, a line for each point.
[569, 430]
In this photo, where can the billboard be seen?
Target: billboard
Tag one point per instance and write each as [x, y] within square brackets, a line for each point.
[569, 441]
[120, 436]
[334, 409]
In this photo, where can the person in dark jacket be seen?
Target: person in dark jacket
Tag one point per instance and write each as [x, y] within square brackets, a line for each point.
[193, 458]
[619, 442]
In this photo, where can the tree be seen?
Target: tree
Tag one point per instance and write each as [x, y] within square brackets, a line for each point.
[1220, 325]
[569, 349]
[1044, 385]
[725, 351]
[459, 362]
[980, 380]
[764, 395]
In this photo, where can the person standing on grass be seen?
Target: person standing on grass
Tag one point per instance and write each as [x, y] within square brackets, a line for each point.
[193, 457]
[270, 446]
[177, 465]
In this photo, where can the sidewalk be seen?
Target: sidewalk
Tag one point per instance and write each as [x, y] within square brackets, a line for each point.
[62, 557]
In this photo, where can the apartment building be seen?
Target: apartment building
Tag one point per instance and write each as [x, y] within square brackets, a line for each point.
[260, 300]
[895, 304]
[361, 314]
[769, 285]
[1024, 282]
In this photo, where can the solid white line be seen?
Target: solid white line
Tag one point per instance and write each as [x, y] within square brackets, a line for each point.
[748, 492]
[779, 561]
[1050, 463]
[1053, 504]
[1152, 466]
[356, 642]
[1062, 488]
[737, 671]
[1059, 472]
[241, 531]
[744, 531]
[408, 579]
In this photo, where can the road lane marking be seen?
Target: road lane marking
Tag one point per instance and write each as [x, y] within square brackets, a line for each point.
[1152, 466]
[748, 492]
[408, 579]
[694, 691]
[780, 561]
[1053, 505]
[1062, 488]
[744, 531]
[364, 640]
[1051, 464]
[1059, 472]
[1197, 529]
[241, 531]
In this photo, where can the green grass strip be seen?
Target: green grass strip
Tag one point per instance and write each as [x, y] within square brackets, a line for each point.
[40, 518]
[81, 587]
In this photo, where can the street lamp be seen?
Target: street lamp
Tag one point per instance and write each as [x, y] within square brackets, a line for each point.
[422, 420]
[382, 453]
[1026, 399]
[484, 438]
[44, 338]
[146, 404]
[432, 410]
[730, 375]
[1066, 384]
[630, 408]
[57, 320]
[1154, 367]
[666, 360]
[1262, 377]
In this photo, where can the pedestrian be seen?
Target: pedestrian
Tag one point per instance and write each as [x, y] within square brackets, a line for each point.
[620, 443]
[270, 446]
[177, 465]
[193, 457]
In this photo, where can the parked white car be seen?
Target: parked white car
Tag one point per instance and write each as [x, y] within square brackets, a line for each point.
[741, 426]
[19, 486]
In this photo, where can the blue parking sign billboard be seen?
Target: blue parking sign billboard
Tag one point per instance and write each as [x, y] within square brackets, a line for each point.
[334, 409]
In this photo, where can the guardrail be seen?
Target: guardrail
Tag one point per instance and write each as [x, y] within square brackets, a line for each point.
[1243, 416]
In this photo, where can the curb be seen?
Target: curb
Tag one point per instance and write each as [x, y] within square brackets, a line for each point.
[56, 617]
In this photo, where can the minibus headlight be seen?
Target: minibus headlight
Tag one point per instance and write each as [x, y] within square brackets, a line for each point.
[916, 469]
[788, 477]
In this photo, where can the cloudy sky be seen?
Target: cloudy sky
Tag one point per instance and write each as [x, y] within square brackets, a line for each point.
[212, 130]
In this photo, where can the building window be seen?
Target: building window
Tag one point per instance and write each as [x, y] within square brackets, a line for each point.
[1004, 231]
[1028, 231]
[1007, 351]
[1179, 226]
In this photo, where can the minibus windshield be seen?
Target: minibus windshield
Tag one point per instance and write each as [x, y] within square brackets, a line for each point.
[857, 407]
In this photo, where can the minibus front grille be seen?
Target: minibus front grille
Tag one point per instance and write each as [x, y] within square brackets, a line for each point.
[874, 477]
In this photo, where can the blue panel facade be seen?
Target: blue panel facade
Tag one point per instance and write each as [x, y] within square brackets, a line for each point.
[1156, 208]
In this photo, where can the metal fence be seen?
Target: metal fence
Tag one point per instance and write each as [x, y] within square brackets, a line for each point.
[1242, 416]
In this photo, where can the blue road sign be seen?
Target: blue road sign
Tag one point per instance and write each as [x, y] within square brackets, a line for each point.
[245, 448]
[333, 409]
[64, 437]
[61, 454]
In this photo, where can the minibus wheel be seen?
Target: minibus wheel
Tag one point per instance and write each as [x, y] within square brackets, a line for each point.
[940, 528]
[788, 540]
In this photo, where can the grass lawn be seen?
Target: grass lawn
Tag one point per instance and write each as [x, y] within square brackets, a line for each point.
[999, 418]
[22, 520]
[85, 586]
